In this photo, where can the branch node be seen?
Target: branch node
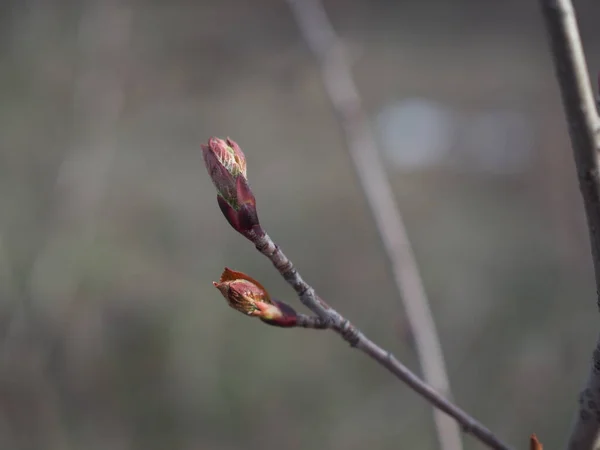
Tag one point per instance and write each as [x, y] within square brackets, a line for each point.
[349, 333]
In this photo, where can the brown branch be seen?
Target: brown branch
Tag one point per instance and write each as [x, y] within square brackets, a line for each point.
[314, 322]
[582, 118]
[357, 339]
[226, 165]
[343, 94]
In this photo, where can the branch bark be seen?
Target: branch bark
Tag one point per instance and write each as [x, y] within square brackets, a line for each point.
[584, 124]
[357, 339]
[343, 94]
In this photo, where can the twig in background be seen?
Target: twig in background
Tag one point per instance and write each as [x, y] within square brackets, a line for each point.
[598, 98]
[583, 122]
[343, 94]
[226, 165]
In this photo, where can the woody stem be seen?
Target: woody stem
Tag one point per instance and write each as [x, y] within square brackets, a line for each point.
[356, 338]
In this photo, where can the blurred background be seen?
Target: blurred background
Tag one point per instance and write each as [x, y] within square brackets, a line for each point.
[112, 336]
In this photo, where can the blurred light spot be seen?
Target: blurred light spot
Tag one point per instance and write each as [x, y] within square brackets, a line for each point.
[420, 133]
[415, 133]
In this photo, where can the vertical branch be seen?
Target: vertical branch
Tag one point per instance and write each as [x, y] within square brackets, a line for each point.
[341, 89]
[583, 122]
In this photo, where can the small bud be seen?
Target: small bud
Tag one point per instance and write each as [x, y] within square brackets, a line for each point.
[534, 444]
[249, 297]
[226, 165]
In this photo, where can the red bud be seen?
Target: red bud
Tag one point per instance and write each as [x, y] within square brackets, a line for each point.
[226, 165]
[246, 295]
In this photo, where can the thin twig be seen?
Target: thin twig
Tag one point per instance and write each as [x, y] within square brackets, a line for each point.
[578, 103]
[357, 339]
[341, 89]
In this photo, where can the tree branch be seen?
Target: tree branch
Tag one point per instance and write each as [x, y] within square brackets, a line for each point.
[314, 322]
[343, 94]
[583, 122]
[357, 339]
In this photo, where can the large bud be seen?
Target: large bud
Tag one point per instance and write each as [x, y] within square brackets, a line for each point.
[226, 165]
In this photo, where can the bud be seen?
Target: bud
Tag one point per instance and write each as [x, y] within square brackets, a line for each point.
[249, 297]
[534, 443]
[226, 165]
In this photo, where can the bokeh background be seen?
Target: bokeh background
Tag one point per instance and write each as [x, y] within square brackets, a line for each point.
[112, 336]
